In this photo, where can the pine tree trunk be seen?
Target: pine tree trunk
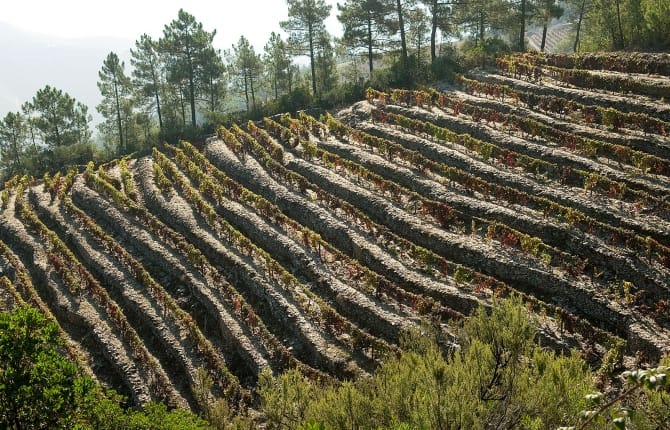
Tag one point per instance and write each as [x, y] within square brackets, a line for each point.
[40, 159]
[418, 57]
[481, 27]
[118, 117]
[191, 89]
[156, 96]
[17, 161]
[370, 44]
[275, 84]
[579, 26]
[211, 96]
[59, 141]
[158, 109]
[183, 107]
[246, 90]
[311, 57]
[253, 95]
[544, 35]
[621, 43]
[522, 32]
[433, 34]
[401, 24]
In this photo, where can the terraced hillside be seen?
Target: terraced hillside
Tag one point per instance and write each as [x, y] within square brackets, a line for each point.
[313, 243]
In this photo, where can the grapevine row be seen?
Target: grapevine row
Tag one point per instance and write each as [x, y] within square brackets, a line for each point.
[651, 247]
[518, 67]
[224, 186]
[590, 114]
[78, 280]
[321, 129]
[236, 301]
[568, 174]
[330, 319]
[443, 214]
[624, 62]
[217, 367]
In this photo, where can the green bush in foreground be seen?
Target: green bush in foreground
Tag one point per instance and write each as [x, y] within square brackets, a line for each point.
[41, 389]
[38, 386]
[498, 378]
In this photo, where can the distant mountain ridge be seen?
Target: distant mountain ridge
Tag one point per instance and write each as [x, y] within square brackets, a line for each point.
[33, 60]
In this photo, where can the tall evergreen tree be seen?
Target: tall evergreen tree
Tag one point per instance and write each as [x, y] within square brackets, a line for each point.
[479, 17]
[116, 106]
[582, 9]
[305, 25]
[525, 10]
[278, 64]
[58, 118]
[626, 24]
[604, 25]
[326, 70]
[619, 41]
[214, 83]
[418, 27]
[545, 10]
[368, 25]
[147, 74]
[245, 67]
[185, 44]
[13, 142]
[656, 22]
[59, 129]
[440, 19]
[401, 8]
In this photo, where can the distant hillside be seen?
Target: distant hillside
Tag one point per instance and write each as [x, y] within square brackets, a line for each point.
[556, 38]
[31, 61]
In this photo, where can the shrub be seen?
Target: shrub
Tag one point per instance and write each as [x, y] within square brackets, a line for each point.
[498, 378]
[40, 388]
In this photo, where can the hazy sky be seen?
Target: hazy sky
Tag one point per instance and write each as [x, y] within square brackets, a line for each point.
[128, 19]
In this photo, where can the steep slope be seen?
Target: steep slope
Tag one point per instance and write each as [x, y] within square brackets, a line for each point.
[313, 243]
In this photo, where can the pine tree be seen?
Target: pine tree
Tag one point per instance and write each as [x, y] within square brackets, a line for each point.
[245, 67]
[278, 64]
[116, 105]
[185, 45]
[519, 13]
[59, 119]
[13, 143]
[440, 19]
[59, 128]
[147, 78]
[401, 8]
[582, 9]
[545, 11]
[368, 25]
[418, 27]
[480, 17]
[326, 70]
[213, 85]
[305, 25]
